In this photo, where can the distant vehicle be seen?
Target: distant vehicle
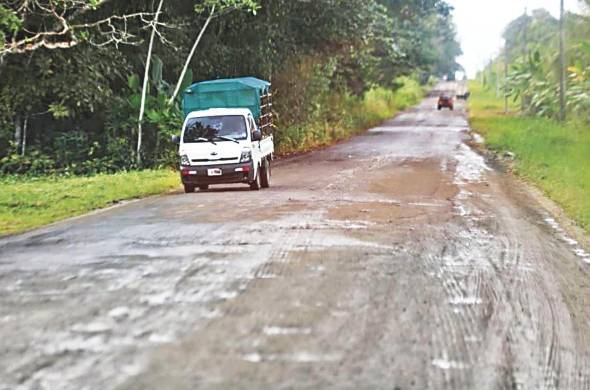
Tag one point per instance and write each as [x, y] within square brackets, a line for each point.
[226, 136]
[445, 101]
[464, 95]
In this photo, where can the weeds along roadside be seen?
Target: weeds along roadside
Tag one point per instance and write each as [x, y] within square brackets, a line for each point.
[553, 156]
[339, 115]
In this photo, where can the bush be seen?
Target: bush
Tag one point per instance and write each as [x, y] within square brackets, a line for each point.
[72, 147]
[34, 163]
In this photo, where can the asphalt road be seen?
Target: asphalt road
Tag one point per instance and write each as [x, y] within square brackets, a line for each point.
[397, 260]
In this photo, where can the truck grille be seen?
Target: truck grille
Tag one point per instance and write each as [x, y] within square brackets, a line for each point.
[204, 160]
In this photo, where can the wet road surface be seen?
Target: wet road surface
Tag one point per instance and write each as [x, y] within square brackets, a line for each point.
[397, 260]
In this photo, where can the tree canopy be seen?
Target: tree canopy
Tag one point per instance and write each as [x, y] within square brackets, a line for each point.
[71, 70]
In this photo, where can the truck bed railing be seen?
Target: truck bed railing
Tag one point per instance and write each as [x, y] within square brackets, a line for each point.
[265, 121]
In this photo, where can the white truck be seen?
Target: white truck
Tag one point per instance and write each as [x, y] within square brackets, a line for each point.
[226, 136]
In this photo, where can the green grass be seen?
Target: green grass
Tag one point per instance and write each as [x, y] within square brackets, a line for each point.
[26, 203]
[553, 156]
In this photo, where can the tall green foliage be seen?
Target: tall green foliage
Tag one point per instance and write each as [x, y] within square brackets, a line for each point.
[532, 51]
[320, 48]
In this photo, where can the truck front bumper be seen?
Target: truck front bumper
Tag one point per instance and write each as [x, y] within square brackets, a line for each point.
[230, 174]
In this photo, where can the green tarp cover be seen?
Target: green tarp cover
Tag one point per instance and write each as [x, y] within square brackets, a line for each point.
[242, 92]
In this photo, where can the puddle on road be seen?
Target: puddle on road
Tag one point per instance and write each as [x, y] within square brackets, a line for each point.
[471, 166]
[478, 139]
[296, 357]
[467, 301]
[445, 364]
[285, 331]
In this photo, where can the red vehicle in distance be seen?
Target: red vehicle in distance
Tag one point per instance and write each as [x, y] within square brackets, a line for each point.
[445, 101]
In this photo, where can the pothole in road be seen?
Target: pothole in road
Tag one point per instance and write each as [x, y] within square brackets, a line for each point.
[372, 212]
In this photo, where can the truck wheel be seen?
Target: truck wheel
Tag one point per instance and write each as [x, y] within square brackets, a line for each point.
[189, 188]
[255, 185]
[204, 187]
[439, 108]
[265, 178]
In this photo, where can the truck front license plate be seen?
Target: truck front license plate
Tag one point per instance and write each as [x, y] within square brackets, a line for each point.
[214, 172]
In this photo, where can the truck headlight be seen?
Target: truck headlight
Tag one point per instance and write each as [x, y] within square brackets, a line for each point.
[184, 160]
[246, 156]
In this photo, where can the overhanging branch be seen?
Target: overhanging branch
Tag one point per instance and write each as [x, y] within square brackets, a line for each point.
[66, 32]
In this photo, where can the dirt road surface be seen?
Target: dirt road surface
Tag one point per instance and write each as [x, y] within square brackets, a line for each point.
[397, 260]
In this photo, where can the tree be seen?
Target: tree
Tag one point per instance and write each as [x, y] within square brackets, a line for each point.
[144, 90]
[320, 55]
[29, 25]
[541, 64]
[215, 8]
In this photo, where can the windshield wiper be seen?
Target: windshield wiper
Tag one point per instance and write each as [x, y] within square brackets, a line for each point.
[227, 139]
[206, 140]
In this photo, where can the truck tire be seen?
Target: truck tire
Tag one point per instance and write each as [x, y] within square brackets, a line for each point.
[204, 187]
[189, 188]
[439, 108]
[265, 174]
[255, 185]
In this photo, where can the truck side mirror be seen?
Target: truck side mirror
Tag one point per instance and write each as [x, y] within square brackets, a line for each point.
[175, 139]
[256, 135]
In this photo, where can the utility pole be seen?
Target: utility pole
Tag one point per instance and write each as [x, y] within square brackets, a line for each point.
[505, 78]
[498, 77]
[562, 64]
[525, 47]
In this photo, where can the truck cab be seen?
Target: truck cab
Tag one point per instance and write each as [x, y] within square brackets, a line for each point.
[223, 146]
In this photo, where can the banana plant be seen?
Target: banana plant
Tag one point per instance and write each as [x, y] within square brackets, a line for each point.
[579, 90]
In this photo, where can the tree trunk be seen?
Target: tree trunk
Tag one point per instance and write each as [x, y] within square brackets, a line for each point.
[18, 132]
[24, 146]
[190, 57]
[146, 76]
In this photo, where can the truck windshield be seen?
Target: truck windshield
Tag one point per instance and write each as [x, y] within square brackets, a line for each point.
[213, 127]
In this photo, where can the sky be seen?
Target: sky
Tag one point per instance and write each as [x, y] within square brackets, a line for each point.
[480, 24]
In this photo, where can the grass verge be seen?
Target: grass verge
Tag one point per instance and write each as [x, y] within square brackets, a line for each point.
[554, 156]
[26, 202]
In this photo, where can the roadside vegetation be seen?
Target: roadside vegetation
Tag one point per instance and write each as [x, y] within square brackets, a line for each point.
[31, 202]
[528, 70]
[346, 115]
[553, 156]
[71, 99]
